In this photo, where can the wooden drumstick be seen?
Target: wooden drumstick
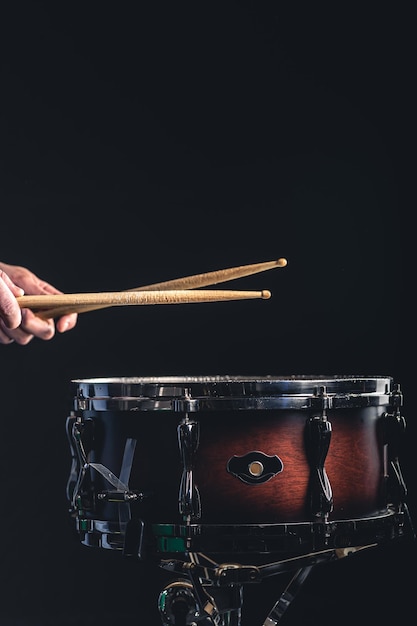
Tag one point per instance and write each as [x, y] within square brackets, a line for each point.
[62, 302]
[188, 282]
[215, 277]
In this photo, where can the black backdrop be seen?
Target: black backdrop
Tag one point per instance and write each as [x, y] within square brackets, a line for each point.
[143, 143]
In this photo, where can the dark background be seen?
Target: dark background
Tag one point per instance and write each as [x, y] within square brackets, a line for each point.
[148, 141]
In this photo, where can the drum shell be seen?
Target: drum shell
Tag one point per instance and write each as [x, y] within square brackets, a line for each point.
[156, 468]
[354, 466]
[354, 463]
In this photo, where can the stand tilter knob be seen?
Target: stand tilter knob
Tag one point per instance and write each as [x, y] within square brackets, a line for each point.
[178, 605]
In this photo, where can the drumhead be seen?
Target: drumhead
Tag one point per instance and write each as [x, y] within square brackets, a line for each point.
[211, 393]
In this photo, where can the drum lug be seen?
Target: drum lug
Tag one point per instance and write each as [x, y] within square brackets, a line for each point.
[75, 462]
[318, 435]
[394, 429]
[80, 435]
[189, 496]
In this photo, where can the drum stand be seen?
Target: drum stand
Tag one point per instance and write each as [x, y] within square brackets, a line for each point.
[211, 594]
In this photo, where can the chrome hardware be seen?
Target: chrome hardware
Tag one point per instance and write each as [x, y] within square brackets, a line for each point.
[81, 403]
[396, 396]
[394, 430]
[189, 497]
[213, 393]
[186, 405]
[80, 435]
[318, 435]
[178, 602]
[294, 537]
[121, 496]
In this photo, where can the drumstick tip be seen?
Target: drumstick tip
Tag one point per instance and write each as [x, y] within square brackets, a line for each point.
[265, 295]
[282, 262]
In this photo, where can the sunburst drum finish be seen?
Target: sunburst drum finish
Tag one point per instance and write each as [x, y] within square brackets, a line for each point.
[237, 416]
[353, 465]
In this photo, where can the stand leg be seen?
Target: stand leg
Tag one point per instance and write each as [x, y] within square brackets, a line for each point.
[194, 601]
[228, 602]
[287, 596]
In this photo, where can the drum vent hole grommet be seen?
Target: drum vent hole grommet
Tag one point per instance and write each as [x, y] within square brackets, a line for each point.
[256, 468]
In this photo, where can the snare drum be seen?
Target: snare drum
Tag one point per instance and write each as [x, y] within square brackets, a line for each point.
[228, 464]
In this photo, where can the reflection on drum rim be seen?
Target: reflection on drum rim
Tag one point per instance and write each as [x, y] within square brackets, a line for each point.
[198, 393]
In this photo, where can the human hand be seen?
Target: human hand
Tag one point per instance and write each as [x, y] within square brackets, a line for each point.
[22, 325]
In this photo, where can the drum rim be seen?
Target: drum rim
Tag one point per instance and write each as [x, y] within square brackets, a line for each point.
[231, 392]
[298, 537]
[230, 379]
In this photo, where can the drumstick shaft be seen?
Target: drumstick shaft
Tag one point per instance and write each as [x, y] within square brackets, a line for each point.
[61, 302]
[215, 277]
[187, 282]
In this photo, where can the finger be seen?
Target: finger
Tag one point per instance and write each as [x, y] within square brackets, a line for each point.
[66, 322]
[43, 287]
[34, 325]
[27, 280]
[16, 291]
[5, 338]
[9, 308]
[17, 335]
